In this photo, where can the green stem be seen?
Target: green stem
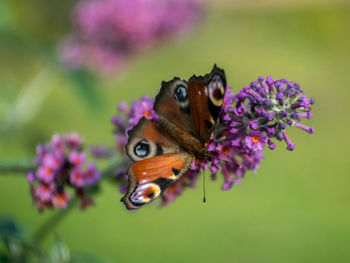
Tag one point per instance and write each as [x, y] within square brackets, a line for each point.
[16, 167]
[52, 222]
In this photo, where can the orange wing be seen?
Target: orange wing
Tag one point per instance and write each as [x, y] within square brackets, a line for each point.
[147, 140]
[149, 178]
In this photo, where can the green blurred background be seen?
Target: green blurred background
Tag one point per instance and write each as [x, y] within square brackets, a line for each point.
[296, 209]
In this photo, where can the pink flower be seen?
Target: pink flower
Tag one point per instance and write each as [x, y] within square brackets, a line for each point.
[53, 160]
[256, 140]
[77, 177]
[30, 177]
[74, 141]
[109, 32]
[46, 173]
[77, 159]
[92, 174]
[44, 191]
[61, 200]
[60, 165]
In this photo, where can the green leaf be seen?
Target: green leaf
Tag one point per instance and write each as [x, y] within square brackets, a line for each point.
[15, 166]
[9, 228]
[4, 258]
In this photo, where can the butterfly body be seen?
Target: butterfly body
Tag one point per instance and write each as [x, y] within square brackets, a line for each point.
[188, 142]
[164, 150]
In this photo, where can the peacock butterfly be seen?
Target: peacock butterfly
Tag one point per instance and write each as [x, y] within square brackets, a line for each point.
[162, 151]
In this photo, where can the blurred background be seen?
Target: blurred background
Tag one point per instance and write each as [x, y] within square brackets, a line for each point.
[296, 209]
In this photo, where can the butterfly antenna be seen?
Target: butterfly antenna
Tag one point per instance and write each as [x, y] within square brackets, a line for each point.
[204, 187]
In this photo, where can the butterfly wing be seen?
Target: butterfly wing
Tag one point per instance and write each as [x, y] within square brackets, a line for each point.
[195, 105]
[206, 97]
[151, 177]
[172, 103]
[147, 140]
[159, 162]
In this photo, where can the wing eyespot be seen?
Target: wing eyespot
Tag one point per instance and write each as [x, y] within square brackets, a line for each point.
[142, 149]
[216, 90]
[181, 93]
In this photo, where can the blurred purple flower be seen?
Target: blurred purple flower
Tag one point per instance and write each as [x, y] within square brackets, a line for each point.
[77, 177]
[100, 152]
[108, 32]
[92, 175]
[61, 200]
[60, 165]
[76, 158]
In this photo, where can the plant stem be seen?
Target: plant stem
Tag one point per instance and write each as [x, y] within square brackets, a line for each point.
[16, 167]
[52, 222]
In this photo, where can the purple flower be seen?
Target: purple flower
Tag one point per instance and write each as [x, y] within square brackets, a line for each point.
[74, 141]
[46, 173]
[253, 125]
[77, 177]
[129, 117]
[142, 108]
[92, 175]
[100, 152]
[61, 200]
[77, 159]
[256, 141]
[30, 177]
[60, 165]
[270, 106]
[44, 191]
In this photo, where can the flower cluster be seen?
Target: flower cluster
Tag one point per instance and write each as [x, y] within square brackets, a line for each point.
[249, 121]
[108, 32]
[60, 163]
[266, 108]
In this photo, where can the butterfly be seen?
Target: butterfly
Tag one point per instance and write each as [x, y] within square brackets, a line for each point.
[162, 151]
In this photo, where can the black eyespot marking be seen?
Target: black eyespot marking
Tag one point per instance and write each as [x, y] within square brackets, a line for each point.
[141, 149]
[180, 93]
[159, 149]
[214, 110]
[151, 195]
[218, 94]
[175, 171]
